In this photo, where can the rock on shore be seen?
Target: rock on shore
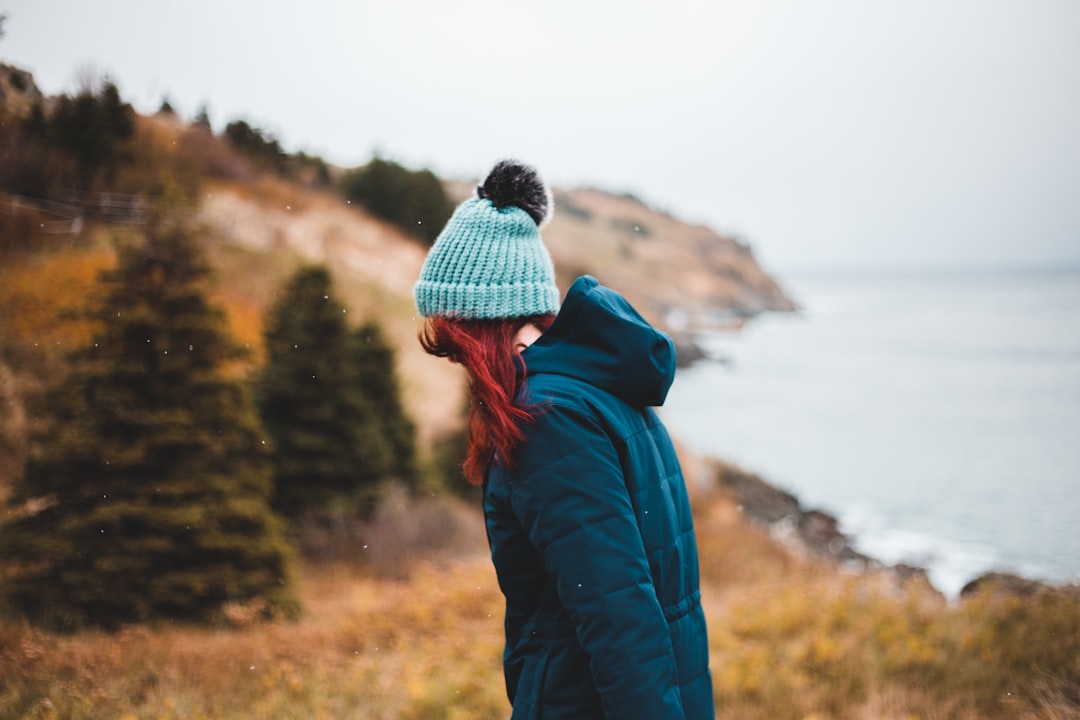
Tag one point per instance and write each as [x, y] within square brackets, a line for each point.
[818, 534]
[813, 531]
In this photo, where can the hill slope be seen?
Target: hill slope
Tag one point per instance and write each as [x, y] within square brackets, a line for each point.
[678, 275]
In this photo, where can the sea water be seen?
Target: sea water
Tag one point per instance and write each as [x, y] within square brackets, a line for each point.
[936, 415]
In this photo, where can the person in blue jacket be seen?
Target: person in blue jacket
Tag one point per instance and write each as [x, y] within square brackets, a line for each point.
[585, 504]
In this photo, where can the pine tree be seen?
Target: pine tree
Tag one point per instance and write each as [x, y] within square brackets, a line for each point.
[328, 443]
[92, 128]
[413, 200]
[429, 205]
[448, 454]
[149, 498]
[202, 118]
[260, 146]
[373, 365]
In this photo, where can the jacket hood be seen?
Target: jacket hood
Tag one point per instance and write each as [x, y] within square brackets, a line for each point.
[599, 338]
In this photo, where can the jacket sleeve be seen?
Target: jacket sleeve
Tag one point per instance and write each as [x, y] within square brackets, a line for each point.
[573, 503]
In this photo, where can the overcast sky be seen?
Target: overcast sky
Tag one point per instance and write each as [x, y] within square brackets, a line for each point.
[829, 134]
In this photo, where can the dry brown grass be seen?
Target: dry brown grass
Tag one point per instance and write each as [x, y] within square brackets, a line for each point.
[37, 293]
[366, 648]
[368, 645]
[416, 633]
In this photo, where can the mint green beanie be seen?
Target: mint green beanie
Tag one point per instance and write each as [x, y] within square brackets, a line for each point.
[490, 261]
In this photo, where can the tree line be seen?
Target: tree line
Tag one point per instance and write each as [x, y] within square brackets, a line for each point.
[87, 142]
[165, 485]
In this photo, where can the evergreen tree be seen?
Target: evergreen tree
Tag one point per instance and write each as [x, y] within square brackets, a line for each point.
[429, 205]
[92, 128]
[380, 186]
[35, 125]
[414, 201]
[149, 498]
[373, 364]
[202, 118]
[258, 145]
[328, 444]
[448, 454]
[311, 170]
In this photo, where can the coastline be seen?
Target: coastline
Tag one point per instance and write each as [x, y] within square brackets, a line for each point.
[810, 530]
[819, 534]
[929, 414]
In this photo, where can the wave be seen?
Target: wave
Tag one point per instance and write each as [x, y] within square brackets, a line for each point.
[949, 564]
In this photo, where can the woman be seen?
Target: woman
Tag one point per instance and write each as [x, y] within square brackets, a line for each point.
[584, 501]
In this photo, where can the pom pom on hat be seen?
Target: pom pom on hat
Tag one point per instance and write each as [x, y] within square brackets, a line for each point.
[517, 184]
[490, 261]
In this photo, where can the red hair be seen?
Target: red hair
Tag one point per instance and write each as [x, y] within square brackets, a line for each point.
[486, 349]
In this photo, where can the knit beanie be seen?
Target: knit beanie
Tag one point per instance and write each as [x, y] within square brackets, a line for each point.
[490, 261]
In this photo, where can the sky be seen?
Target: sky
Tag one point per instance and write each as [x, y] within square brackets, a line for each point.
[830, 135]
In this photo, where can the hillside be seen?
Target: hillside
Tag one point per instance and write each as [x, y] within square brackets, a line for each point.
[668, 267]
[675, 272]
[261, 226]
[261, 233]
[681, 276]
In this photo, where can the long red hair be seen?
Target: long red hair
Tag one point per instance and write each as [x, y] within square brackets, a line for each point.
[485, 348]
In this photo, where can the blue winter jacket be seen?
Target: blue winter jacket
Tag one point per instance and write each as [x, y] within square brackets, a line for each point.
[590, 531]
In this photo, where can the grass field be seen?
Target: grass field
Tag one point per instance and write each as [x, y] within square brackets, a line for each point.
[418, 635]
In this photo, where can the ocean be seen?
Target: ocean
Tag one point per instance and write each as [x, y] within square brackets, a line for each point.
[936, 415]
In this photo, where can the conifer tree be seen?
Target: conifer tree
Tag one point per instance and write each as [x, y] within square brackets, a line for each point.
[92, 127]
[257, 144]
[373, 364]
[202, 118]
[329, 446]
[413, 200]
[149, 498]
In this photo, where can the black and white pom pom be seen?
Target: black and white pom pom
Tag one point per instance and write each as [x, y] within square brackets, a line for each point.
[513, 183]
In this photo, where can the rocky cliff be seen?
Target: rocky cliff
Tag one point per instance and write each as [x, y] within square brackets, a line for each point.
[687, 275]
[682, 276]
